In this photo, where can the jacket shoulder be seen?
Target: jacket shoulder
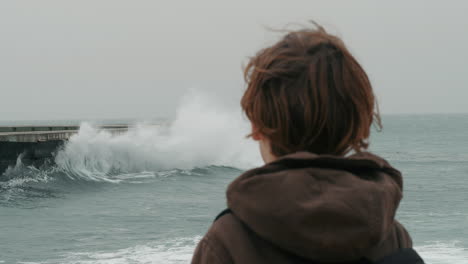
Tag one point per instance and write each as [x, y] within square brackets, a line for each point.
[208, 251]
[230, 241]
[402, 235]
[213, 248]
[397, 239]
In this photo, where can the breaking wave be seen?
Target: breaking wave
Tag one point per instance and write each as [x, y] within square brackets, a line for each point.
[202, 134]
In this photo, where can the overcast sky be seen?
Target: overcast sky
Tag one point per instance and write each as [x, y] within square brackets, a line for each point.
[135, 59]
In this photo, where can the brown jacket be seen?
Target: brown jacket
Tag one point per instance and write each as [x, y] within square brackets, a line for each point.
[308, 208]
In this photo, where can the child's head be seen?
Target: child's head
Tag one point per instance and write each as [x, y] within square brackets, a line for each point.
[308, 93]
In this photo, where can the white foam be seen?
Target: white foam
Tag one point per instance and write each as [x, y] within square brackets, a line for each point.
[170, 252]
[443, 253]
[21, 174]
[181, 250]
[203, 133]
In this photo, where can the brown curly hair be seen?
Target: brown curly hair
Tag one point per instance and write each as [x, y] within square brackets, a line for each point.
[308, 93]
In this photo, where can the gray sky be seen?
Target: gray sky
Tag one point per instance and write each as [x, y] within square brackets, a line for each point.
[135, 59]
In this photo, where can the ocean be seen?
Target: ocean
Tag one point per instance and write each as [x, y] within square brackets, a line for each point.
[148, 196]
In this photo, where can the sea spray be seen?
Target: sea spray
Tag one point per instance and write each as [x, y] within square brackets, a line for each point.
[203, 133]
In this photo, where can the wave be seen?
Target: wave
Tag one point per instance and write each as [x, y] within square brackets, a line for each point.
[21, 185]
[181, 250]
[203, 133]
[171, 252]
[443, 253]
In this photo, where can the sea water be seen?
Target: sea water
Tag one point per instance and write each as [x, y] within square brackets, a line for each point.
[148, 196]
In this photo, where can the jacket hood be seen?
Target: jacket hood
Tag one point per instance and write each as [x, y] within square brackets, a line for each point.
[319, 207]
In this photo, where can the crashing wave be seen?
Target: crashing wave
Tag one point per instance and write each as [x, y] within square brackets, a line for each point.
[202, 134]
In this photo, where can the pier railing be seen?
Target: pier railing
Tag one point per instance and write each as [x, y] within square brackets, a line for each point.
[47, 133]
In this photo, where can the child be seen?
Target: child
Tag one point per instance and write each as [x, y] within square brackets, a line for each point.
[320, 197]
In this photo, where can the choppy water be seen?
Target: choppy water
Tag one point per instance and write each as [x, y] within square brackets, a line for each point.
[149, 195]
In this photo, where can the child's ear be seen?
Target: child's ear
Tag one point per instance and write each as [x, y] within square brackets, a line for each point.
[255, 134]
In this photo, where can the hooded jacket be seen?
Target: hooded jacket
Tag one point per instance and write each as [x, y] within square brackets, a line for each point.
[309, 208]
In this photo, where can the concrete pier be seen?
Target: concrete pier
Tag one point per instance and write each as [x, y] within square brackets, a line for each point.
[37, 144]
[47, 133]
